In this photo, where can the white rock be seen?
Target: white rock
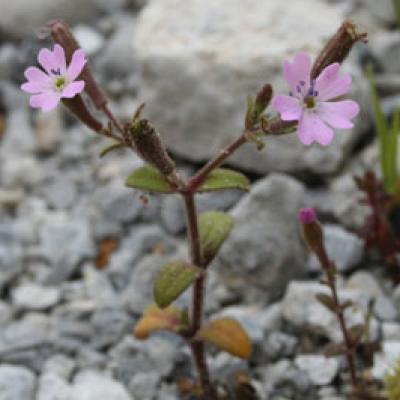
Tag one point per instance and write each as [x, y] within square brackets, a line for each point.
[65, 242]
[89, 39]
[385, 360]
[144, 385]
[301, 309]
[60, 365]
[365, 282]
[382, 10]
[385, 46]
[321, 370]
[24, 17]
[264, 250]
[391, 331]
[90, 385]
[199, 60]
[16, 383]
[344, 248]
[53, 387]
[5, 313]
[31, 296]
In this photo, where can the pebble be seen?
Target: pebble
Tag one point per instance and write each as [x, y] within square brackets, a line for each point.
[16, 383]
[31, 296]
[88, 38]
[343, 247]
[321, 370]
[386, 358]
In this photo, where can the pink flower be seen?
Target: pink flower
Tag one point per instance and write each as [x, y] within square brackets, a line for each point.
[311, 102]
[48, 88]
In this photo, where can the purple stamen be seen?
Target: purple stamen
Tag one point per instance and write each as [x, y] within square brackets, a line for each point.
[302, 83]
[56, 71]
[298, 89]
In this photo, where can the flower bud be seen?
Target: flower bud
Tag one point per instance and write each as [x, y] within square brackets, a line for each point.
[148, 144]
[263, 98]
[61, 34]
[312, 231]
[338, 47]
[279, 127]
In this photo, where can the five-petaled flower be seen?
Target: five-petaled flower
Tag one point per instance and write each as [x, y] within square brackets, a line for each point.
[311, 102]
[58, 80]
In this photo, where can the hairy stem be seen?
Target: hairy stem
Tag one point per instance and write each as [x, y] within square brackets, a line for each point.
[198, 179]
[197, 347]
[339, 311]
[188, 194]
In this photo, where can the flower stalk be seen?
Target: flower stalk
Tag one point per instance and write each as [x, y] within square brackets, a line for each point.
[313, 235]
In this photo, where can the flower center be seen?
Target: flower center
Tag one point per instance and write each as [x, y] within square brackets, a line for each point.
[309, 101]
[59, 83]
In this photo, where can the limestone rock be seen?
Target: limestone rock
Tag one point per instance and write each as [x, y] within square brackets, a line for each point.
[199, 61]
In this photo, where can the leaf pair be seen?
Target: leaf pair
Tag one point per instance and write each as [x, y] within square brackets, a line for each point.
[225, 333]
[149, 179]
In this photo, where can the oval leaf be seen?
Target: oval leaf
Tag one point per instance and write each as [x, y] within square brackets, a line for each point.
[172, 281]
[221, 179]
[148, 179]
[155, 319]
[228, 335]
[326, 301]
[214, 228]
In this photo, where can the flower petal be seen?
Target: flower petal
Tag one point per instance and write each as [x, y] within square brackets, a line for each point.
[298, 70]
[46, 101]
[47, 61]
[289, 107]
[311, 128]
[330, 85]
[338, 114]
[32, 87]
[76, 65]
[59, 59]
[36, 75]
[73, 89]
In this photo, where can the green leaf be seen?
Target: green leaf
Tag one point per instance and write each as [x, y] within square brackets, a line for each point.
[172, 281]
[326, 301]
[214, 228]
[382, 129]
[221, 179]
[148, 179]
[111, 147]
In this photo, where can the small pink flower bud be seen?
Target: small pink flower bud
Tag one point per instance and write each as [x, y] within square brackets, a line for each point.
[312, 231]
[263, 98]
[307, 215]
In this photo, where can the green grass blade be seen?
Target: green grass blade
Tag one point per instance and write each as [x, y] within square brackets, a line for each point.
[394, 132]
[396, 5]
[381, 127]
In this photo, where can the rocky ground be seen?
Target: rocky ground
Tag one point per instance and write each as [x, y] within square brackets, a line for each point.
[78, 250]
